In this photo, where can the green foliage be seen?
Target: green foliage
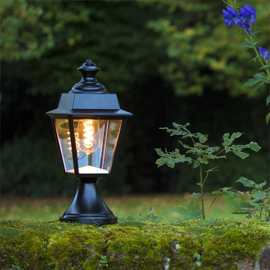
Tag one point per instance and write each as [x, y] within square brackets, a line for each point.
[202, 52]
[193, 54]
[255, 202]
[30, 30]
[62, 35]
[237, 149]
[25, 171]
[197, 256]
[254, 167]
[219, 244]
[202, 152]
[103, 263]
[140, 221]
[191, 211]
[172, 158]
[259, 79]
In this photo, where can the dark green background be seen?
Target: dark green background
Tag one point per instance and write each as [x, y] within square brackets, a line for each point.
[168, 61]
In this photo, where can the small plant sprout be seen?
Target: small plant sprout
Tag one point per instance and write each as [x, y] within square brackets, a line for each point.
[198, 153]
[197, 258]
[103, 263]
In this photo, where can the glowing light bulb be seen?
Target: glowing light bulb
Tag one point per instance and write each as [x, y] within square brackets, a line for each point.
[77, 142]
[89, 134]
[65, 140]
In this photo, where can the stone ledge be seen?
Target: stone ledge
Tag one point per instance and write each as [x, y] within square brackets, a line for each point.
[135, 244]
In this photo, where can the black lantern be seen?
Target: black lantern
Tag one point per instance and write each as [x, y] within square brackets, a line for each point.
[88, 126]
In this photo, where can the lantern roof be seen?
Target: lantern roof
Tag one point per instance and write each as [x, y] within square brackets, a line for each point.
[89, 98]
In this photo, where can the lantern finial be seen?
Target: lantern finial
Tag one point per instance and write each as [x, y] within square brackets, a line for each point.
[89, 83]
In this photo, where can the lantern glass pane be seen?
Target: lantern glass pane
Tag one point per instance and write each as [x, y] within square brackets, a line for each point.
[64, 141]
[113, 130]
[89, 136]
[95, 144]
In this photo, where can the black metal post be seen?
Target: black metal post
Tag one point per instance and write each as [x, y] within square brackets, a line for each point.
[88, 207]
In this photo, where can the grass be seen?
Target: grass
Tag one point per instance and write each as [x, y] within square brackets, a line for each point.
[46, 209]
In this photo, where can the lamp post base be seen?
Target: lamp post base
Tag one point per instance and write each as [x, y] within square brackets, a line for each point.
[88, 207]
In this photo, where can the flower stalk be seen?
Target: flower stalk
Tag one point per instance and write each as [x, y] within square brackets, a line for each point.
[245, 17]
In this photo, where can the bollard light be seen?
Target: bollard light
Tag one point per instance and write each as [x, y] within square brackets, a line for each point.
[88, 126]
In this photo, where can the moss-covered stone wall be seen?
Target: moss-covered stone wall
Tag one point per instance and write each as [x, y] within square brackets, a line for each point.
[214, 244]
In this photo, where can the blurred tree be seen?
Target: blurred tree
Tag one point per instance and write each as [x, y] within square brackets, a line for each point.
[164, 58]
[58, 36]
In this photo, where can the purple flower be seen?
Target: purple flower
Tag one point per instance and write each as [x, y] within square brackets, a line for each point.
[243, 16]
[227, 18]
[264, 53]
[250, 13]
[231, 16]
[234, 15]
[246, 17]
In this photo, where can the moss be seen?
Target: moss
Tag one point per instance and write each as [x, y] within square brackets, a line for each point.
[53, 245]
[239, 240]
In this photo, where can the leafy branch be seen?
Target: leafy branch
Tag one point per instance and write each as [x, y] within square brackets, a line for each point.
[255, 202]
[198, 153]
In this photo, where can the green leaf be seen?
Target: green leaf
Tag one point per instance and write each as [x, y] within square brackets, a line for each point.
[246, 182]
[171, 158]
[202, 138]
[257, 78]
[261, 76]
[197, 256]
[175, 125]
[242, 155]
[259, 85]
[250, 83]
[159, 151]
[267, 118]
[170, 162]
[268, 100]
[191, 211]
[237, 205]
[196, 195]
[254, 146]
[254, 59]
[228, 140]
[203, 160]
[236, 135]
[247, 45]
[258, 196]
[196, 164]
[162, 161]
[259, 186]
